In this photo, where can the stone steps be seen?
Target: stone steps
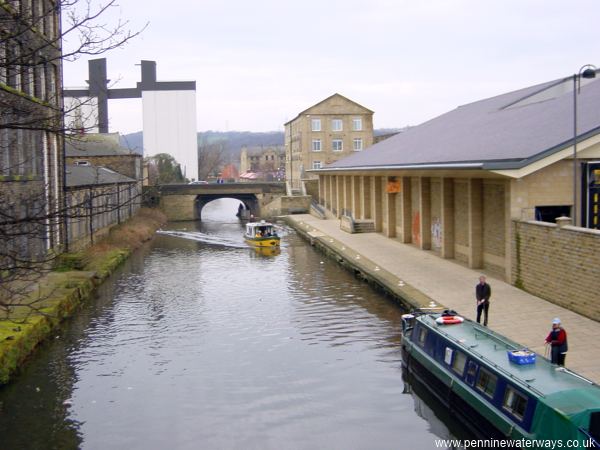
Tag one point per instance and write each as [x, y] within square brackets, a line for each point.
[364, 226]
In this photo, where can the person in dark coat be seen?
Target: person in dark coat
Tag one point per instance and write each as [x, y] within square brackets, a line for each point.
[557, 339]
[483, 292]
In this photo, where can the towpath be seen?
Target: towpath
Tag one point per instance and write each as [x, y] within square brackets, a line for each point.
[426, 277]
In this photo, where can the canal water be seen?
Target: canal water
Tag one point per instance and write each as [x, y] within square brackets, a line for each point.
[199, 342]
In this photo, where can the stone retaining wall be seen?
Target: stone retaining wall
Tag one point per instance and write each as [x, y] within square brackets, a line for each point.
[559, 264]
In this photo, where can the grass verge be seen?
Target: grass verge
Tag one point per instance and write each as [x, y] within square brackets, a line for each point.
[61, 291]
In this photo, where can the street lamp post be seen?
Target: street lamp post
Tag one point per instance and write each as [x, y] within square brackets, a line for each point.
[586, 71]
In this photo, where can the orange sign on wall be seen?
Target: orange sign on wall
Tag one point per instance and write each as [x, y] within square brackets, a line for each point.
[393, 187]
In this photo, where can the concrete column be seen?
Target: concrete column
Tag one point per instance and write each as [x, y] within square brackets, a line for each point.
[508, 233]
[356, 203]
[406, 212]
[348, 195]
[338, 196]
[330, 185]
[425, 210]
[367, 197]
[447, 218]
[391, 215]
[321, 189]
[475, 212]
[326, 191]
[377, 203]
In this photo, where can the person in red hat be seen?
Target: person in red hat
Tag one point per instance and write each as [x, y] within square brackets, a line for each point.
[557, 339]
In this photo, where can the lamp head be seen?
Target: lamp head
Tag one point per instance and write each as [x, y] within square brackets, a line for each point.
[588, 73]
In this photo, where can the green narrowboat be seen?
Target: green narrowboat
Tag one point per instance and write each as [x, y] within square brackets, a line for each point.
[499, 389]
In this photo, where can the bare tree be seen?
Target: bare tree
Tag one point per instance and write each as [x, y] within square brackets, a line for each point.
[210, 159]
[33, 207]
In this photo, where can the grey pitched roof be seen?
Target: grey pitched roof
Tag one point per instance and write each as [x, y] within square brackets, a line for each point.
[504, 132]
[95, 145]
[93, 176]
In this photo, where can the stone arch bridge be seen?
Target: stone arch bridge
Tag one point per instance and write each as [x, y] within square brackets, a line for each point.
[185, 201]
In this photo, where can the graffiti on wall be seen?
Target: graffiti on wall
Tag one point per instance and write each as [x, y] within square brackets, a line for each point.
[436, 233]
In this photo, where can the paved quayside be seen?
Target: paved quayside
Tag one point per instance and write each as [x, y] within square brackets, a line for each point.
[422, 277]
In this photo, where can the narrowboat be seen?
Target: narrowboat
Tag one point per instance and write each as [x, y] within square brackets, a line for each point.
[499, 389]
[261, 234]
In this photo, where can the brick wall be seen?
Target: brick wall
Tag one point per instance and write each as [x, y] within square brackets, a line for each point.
[561, 265]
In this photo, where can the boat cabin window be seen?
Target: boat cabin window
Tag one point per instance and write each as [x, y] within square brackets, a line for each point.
[458, 364]
[448, 356]
[422, 336]
[514, 402]
[486, 382]
[595, 425]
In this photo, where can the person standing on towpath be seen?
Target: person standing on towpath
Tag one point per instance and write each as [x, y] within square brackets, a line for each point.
[483, 292]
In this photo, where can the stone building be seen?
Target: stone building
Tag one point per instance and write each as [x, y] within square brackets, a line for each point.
[103, 150]
[31, 157]
[482, 183]
[324, 133]
[97, 199]
[265, 163]
[103, 186]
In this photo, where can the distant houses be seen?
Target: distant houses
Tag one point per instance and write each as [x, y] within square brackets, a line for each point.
[265, 163]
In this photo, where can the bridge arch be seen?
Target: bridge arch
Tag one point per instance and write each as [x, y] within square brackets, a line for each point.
[186, 201]
[250, 202]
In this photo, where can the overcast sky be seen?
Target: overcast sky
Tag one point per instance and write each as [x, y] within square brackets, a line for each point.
[259, 63]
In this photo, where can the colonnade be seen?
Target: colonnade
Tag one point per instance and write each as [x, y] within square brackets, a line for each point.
[456, 217]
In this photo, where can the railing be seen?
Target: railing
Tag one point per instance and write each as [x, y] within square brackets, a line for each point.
[318, 208]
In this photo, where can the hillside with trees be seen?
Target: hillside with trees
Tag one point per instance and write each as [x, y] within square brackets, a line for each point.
[231, 142]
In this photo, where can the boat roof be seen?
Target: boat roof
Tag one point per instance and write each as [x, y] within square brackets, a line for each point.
[259, 224]
[542, 377]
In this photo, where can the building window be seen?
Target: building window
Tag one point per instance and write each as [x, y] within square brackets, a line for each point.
[316, 145]
[336, 125]
[358, 144]
[337, 145]
[315, 124]
[316, 164]
[357, 124]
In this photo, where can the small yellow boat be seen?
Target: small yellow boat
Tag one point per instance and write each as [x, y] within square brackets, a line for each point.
[261, 234]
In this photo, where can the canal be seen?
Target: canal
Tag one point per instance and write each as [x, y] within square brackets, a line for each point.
[198, 342]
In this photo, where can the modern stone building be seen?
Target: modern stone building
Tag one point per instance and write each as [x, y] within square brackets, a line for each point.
[481, 184]
[31, 157]
[324, 133]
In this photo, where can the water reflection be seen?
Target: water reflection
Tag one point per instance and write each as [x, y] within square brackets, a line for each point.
[199, 344]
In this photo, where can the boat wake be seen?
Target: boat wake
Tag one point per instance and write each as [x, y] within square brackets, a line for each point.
[204, 238]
